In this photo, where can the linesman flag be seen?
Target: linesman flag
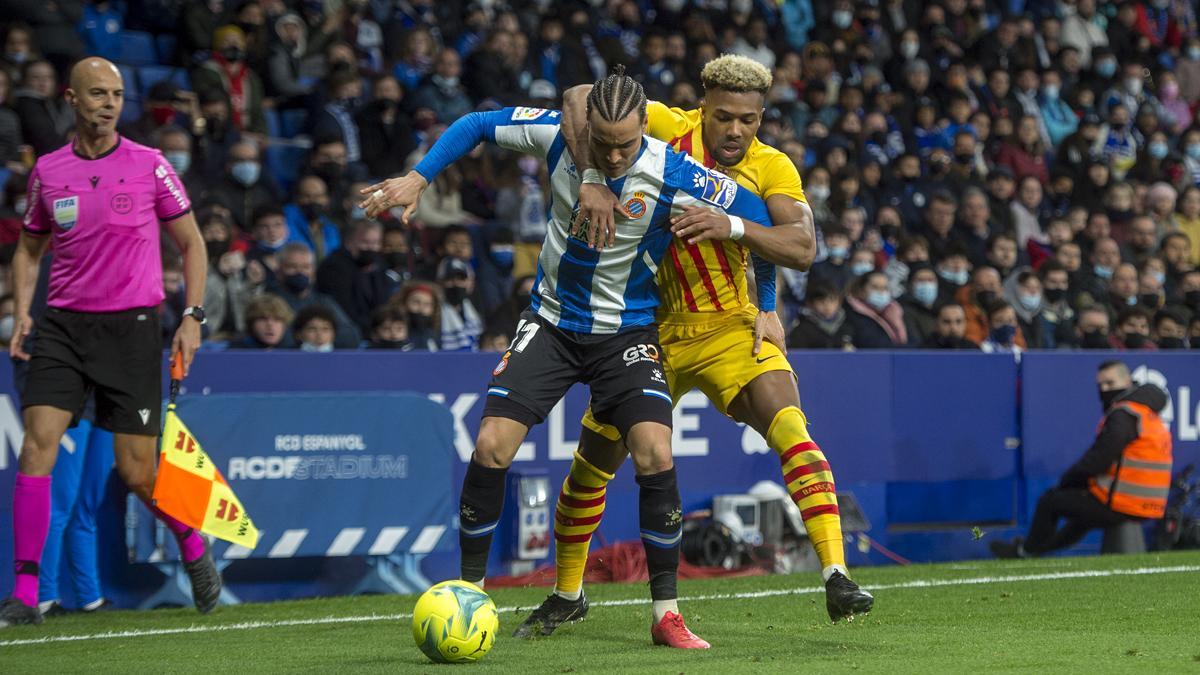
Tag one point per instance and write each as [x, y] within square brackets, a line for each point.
[189, 487]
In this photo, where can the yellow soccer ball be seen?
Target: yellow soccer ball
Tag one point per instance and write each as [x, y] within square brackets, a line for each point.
[455, 622]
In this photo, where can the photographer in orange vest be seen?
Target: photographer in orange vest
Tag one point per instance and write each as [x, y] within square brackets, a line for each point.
[1125, 475]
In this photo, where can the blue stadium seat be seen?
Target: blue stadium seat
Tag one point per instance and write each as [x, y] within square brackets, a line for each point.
[129, 77]
[292, 122]
[131, 112]
[148, 76]
[274, 123]
[137, 48]
[284, 162]
[167, 46]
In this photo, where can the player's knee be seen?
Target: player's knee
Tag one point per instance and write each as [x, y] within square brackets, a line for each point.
[600, 452]
[496, 445]
[37, 455]
[138, 476]
[650, 447]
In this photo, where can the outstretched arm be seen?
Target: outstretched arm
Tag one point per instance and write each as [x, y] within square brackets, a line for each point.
[525, 129]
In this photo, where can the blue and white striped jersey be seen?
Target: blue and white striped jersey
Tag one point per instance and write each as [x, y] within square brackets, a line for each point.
[581, 289]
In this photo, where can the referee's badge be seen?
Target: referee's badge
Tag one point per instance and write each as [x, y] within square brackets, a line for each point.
[66, 211]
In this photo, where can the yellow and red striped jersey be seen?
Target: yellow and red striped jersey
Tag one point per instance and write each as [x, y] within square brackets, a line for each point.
[711, 276]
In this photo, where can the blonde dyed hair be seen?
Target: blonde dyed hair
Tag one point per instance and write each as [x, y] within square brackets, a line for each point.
[737, 74]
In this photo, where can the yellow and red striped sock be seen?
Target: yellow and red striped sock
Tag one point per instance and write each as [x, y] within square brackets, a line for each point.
[810, 482]
[576, 517]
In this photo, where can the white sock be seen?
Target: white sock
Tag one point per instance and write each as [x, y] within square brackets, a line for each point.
[477, 583]
[93, 606]
[565, 595]
[828, 572]
[661, 607]
[45, 605]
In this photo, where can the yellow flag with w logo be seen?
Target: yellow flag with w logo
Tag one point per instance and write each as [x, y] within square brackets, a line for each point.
[190, 489]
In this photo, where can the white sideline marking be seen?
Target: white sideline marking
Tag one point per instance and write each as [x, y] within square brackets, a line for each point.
[927, 583]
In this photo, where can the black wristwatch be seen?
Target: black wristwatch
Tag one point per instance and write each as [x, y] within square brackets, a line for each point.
[197, 313]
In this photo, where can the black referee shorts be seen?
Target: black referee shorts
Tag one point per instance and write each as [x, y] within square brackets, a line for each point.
[623, 370]
[118, 355]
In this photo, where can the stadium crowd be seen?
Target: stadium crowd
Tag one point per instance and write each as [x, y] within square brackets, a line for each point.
[985, 174]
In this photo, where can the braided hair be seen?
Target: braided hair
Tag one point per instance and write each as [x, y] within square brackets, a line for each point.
[617, 95]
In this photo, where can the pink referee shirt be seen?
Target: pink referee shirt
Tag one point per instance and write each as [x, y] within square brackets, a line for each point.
[104, 215]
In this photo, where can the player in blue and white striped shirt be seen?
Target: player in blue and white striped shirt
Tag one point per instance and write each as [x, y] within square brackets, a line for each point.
[592, 314]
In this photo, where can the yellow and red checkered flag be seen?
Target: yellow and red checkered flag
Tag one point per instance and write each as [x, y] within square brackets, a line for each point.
[189, 487]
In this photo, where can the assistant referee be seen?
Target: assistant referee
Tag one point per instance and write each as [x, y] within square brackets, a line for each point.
[100, 201]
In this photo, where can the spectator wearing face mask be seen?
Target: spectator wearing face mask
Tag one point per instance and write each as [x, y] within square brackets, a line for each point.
[226, 70]
[835, 269]
[294, 283]
[389, 328]
[504, 319]
[876, 320]
[226, 292]
[287, 78]
[1023, 292]
[1092, 327]
[1002, 329]
[244, 188]
[1094, 283]
[521, 202]
[314, 329]
[1170, 329]
[46, 118]
[954, 271]
[461, 323]
[984, 289]
[400, 254]
[495, 270]
[355, 274]
[1057, 315]
[1132, 331]
[950, 329]
[267, 321]
[910, 251]
[384, 130]
[176, 147]
[308, 220]
[822, 323]
[920, 304]
[443, 92]
[1123, 477]
[422, 304]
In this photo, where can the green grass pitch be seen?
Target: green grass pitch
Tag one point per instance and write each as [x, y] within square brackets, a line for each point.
[1118, 614]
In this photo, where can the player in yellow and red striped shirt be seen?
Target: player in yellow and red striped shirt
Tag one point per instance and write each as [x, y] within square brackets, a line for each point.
[710, 331]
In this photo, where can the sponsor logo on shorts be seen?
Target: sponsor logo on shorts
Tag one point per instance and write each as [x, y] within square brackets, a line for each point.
[66, 211]
[641, 354]
[765, 358]
[144, 413]
[657, 376]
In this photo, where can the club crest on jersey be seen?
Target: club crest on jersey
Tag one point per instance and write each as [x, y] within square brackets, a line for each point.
[523, 114]
[715, 188]
[66, 211]
[636, 206]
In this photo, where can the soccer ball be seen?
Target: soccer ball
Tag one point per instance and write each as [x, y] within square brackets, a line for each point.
[455, 622]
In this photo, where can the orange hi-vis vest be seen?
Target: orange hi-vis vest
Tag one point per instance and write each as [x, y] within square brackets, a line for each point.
[1138, 482]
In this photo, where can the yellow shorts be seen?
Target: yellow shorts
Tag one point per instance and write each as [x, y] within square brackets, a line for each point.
[712, 352]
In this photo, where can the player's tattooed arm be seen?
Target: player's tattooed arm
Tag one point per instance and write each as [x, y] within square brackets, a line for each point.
[597, 204]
